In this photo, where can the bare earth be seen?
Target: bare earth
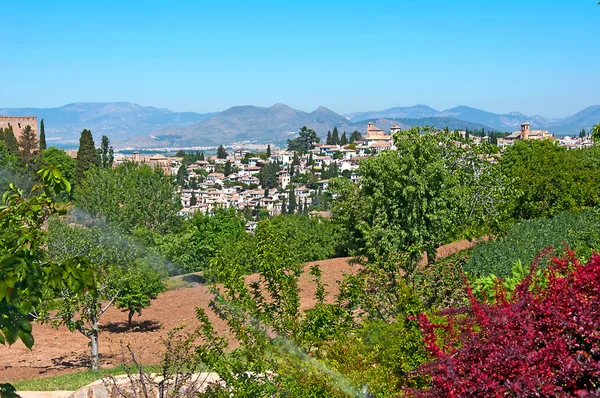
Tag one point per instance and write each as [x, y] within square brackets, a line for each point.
[58, 351]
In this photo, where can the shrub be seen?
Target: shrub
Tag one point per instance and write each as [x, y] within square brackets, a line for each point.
[525, 240]
[540, 342]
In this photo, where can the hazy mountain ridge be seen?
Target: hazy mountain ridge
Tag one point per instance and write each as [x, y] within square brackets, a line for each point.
[502, 122]
[117, 120]
[132, 125]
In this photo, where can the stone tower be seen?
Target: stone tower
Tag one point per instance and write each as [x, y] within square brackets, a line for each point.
[525, 129]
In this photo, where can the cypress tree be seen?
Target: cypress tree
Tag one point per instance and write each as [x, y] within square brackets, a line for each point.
[344, 139]
[201, 156]
[106, 153]
[86, 154]
[42, 137]
[329, 141]
[292, 200]
[268, 151]
[11, 141]
[335, 137]
[193, 200]
[283, 207]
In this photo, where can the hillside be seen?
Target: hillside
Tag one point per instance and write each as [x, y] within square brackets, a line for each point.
[117, 120]
[251, 123]
[501, 122]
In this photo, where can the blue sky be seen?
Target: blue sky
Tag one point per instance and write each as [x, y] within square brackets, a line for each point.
[537, 57]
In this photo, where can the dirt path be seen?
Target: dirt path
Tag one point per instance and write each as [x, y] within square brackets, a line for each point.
[58, 351]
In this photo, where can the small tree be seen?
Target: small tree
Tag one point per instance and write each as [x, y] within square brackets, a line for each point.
[106, 153]
[268, 151]
[221, 152]
[29, 144]
[292, 200]
[42, 136]
[86, 155]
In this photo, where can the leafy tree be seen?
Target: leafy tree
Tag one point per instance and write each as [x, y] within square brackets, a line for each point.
[221, 152]
[335, 137]
[303, 142]
[119, 278]
[8, 167]
[42, 137]
[136, 288]
[595, 133]
[130, 196]
[550, 179]
[268, 175]
[86, 155]
[415, 198]
[26, 272]
[59, 159]
[106, 153]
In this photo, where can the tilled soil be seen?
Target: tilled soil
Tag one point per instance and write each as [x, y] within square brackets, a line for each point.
[58, 351]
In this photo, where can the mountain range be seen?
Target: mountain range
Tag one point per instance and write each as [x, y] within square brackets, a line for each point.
[132, 125]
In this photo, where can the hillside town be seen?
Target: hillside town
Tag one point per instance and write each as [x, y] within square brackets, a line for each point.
[234, 179]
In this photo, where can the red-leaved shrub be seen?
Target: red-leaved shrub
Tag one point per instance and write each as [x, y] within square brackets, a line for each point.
[544, 341]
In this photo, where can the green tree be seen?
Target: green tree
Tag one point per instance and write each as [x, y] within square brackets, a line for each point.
[221, 152]
[183, 175]
[582, 133]
[329, 140]
[303, 142]
[106, 153]
[119, 278]
[87, 156]
[268, 175]
[292, 200]
[59, 159]
[344, 139]
[228, 170]
[42, 137]
[26, 272]
[595, 133]
[335, 137]
[268, 151]
[11, 141]
[28, 143]
[355, 136]
[130, 196]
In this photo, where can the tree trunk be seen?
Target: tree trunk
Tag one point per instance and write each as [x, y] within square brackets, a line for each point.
[130, 320]
[94, 343]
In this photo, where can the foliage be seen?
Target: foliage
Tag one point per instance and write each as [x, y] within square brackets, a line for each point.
[525, 240]
[86, 154]
[106, 153]
[200, 238]
[303, 142]
[540, 342]
[550, 179]
[119, 277]
[427, 192]
[25, 271]
[221, 152]
[595, 133]
[311, 239]
[268, 175]
[442, 285]
[129, 197]
[58, 158]
[11, 141]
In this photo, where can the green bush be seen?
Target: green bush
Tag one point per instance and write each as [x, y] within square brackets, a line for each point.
[581, 232]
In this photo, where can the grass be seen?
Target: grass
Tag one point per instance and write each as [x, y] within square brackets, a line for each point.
[74, 381]
[186, 280]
